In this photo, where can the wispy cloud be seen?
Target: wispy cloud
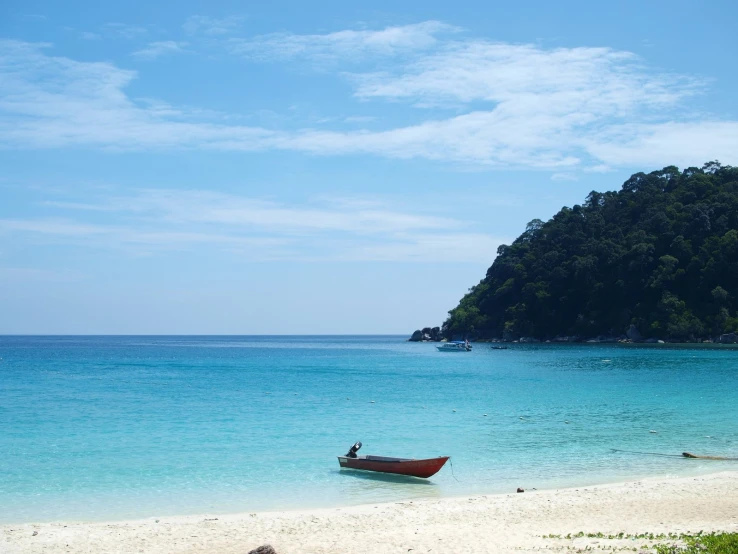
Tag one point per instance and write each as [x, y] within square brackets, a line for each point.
[686, 141]
[483, 138]
[188, 207]
[599, 81]
[600, 168]
[212, 26]
[25, 274]
[85, 35]
[360, 119]
[342, 45]
[52, 102]
[521, 106]
[563, 177]
[157, 49]
[541, 102]
[124, 30]
[447, 247]
[349, 229]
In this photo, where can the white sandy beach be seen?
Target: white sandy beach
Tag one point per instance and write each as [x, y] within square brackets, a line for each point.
[493, 523]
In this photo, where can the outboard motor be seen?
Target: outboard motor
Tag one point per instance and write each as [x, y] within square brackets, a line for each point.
[353, 450]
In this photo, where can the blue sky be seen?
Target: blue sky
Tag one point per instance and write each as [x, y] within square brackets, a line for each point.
[297, 167]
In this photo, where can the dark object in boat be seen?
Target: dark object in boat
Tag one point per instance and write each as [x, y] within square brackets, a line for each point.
[384, 464]
[689, 455]
[353, 450]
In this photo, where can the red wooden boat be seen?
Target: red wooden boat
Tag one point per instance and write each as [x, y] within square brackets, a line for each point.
[384, 464]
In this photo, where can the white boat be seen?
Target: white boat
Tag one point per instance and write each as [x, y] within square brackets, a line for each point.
[455, 346]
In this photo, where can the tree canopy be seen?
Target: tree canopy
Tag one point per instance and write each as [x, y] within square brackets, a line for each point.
[661, 253]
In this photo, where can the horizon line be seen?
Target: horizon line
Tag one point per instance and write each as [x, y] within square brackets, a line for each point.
[201, 335]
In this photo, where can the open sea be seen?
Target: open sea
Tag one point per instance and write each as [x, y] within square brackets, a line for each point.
[103, 428]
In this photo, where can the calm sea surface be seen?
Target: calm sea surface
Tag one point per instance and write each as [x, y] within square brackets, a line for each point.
[130, 427]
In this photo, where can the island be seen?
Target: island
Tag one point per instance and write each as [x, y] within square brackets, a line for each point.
[655, 261]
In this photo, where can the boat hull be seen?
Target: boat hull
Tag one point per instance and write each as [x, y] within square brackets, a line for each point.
[455, 346]
[398, 466]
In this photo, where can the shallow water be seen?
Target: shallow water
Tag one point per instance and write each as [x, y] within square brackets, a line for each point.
[129, 427]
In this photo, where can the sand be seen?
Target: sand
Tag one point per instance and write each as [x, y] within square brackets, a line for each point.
[517, 522]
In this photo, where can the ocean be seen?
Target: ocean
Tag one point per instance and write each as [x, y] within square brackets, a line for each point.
[107, 428]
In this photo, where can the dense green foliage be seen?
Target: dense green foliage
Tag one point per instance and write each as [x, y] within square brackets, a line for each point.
[661, 253]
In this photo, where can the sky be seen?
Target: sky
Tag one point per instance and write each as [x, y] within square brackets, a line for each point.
[277, 167]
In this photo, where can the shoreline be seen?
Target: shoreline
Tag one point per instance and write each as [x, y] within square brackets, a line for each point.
[520, 522]
[589, 342]
[559, 484]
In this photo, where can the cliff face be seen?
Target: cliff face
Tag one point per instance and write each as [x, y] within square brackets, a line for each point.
[658, 258]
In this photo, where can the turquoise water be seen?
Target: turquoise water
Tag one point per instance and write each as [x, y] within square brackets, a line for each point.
[129, 427]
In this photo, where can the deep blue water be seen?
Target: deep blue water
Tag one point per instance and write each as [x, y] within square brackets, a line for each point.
[130, 427]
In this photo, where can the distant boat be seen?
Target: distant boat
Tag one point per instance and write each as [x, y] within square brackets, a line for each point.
[398, 466]
[455, 346]
[498, 347]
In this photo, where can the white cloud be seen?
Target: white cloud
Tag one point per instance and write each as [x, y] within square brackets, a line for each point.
[202, 24]
[541, 102]
[601, 168]
[157, 49]
[671, 143]
[131, 238]
[201, 207]
[448, 247]
[359, 119]
[345, 45]
[598, 81]
[53, 102]
[564, 177]
[124, 30]
[85, 35]
[349, 229]
[25, 274]
[560, 109]
[486, 138]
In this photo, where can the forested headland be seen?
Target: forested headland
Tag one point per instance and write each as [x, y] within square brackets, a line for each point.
[660, 256]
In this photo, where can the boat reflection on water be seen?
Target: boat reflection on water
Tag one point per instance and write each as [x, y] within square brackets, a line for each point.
[366, 487]
[392, 478]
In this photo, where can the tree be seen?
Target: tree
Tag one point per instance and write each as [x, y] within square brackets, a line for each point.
[662, 251]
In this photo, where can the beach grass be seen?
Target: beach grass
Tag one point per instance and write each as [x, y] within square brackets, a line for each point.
[678, 543]
[712, 543]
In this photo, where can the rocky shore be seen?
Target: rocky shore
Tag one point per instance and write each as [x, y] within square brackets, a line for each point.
[631, 335]
[427, 334]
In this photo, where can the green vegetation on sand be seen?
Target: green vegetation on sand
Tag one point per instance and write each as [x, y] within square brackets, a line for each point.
[671, 543]
[722, 543]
